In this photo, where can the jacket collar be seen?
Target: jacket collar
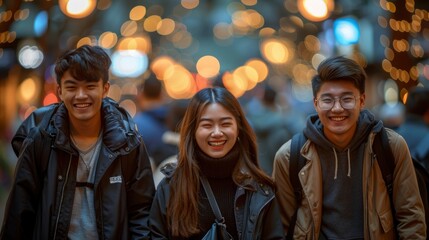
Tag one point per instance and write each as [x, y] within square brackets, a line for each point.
[119, 131]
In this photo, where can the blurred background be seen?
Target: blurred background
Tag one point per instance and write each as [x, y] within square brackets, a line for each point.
[191, 44]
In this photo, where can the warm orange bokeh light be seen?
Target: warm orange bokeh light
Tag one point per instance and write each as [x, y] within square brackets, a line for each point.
[179, 82]
[50, 98]
[316, 10]
[142, 44]
[160, 65]
[275, 51]
[77, 8]
[208, 66]
[260, 67]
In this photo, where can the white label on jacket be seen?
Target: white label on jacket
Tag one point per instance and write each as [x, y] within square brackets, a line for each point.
[116, 179]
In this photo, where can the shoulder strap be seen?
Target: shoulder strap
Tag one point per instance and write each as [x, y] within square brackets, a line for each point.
[47, 148]
[212, 199]
[296, 162]
[386, 161]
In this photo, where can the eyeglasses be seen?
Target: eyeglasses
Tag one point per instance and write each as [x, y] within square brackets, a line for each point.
[346, 101]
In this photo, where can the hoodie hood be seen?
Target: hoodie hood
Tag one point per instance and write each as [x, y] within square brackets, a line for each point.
[365, 125]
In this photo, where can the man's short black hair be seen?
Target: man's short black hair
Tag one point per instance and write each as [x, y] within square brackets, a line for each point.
[336, 69]
[86, 63]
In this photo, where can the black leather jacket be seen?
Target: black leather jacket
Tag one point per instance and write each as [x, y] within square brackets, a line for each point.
[41, 199]
[262, 219]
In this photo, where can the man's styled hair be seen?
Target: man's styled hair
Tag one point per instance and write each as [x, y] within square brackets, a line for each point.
[339, 68]
[86, 63]
[418, 101]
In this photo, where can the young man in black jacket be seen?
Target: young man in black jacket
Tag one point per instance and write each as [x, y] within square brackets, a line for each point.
[95, 182]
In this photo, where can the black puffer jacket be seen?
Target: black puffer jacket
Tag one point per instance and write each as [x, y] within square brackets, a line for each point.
[260, 220]
[40, 202]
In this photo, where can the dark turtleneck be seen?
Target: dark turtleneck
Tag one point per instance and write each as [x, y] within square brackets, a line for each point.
[219, 174]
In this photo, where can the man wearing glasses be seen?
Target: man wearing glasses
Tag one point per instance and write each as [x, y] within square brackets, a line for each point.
[344, 195]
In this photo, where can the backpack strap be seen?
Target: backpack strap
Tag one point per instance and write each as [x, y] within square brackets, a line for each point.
[386, 161]
[48, 144]
[296, 162]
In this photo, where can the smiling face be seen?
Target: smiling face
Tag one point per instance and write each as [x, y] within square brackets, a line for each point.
[339, 124]
[217, 131]
[82, 99]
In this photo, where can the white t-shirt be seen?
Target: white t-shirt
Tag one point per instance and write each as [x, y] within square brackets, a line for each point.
[83, 223]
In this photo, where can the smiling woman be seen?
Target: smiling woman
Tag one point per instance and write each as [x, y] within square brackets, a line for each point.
[217, 144]
[217, 131]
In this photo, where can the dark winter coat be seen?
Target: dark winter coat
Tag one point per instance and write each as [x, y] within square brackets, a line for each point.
[261, 221]
[41, 200]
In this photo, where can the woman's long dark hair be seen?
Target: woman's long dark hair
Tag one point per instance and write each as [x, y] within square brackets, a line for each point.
[185, 184]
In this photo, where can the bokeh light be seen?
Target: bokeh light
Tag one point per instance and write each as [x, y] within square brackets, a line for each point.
[179, 82]
[129, 63]
[190, 4]
[50, 98]
[141, 44]
[235, 86]
[346, 31]
[260, 67]
[30, 57]
[165, 26]
[137, 13]
[160, 65]
[77, 8]
[27, 89]
[108, 40]
[316, 10]
[275, 51]
[208, 66]
[41, 23]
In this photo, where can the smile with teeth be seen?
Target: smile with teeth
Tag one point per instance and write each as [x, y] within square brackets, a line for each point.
[218, 143]
[82, 105]
[338, 118]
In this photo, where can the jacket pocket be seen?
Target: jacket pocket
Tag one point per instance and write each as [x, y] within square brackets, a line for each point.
[386, 220]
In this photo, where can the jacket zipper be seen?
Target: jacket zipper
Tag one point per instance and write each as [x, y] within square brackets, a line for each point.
[62, 197]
